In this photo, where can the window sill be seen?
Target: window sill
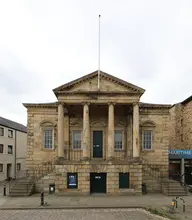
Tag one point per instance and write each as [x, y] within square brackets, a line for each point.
[147, 151]
[119, 150]
[48, 149]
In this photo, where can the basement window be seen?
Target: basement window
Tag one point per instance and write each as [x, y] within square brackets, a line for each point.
[72, 180]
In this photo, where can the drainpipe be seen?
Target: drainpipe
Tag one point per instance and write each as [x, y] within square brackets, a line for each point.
[15, 154]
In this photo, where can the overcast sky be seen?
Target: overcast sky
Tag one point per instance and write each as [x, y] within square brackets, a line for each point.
[46, 43]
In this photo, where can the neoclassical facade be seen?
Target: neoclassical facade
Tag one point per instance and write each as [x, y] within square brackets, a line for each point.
[99, 138]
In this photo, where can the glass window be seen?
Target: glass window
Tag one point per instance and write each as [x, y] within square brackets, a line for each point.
[72, 180]
[118, 136]
[76, 135]
[1, 167]
[48, 138]
[10, 133]
[123, 180]
[10, 149]
[147, 140]
[1, 131]
[1, 148]
[18, 166]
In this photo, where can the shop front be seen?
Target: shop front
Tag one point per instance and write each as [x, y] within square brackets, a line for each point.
[180, 165]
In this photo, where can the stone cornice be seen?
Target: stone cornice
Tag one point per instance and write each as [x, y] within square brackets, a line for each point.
[41, 105]
[96, 93]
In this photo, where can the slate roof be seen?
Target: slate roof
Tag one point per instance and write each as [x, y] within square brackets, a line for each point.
[11, 124]
[187, 100]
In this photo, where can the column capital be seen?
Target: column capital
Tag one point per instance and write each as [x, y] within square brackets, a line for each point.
[135, 103]
[85, 103]
[111, 103]
[61, 103]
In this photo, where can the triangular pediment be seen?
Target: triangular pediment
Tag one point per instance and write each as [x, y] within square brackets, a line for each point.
[108, 83]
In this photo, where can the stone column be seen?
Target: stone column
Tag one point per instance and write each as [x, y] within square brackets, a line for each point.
[86, 132]
[129, 136]
[110, 147]
[60, 152]
[136, 148]
[66, 136]
[183, 170]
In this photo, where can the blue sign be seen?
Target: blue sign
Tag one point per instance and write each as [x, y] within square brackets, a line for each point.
[178, 154]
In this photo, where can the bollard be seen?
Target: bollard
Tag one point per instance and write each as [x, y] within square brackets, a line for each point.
[176, 203]
[4, 190]
[183, 204]
[42, 198]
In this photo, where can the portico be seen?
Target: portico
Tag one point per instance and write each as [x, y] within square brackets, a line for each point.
[131, 131]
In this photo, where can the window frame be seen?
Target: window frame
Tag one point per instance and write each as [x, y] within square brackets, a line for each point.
[48, 128]
[143, 139]
[8, 149]
[9, 130]
[3, 131]
[72, 186]
[1, 165]
[122, 133]
[2, 148]
[128, 183]
[76, 130]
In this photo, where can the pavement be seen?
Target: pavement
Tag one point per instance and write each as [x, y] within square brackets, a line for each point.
[157, 203]
[83, 214]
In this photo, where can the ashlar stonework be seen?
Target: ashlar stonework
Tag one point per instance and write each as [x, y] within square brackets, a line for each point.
[111, 122]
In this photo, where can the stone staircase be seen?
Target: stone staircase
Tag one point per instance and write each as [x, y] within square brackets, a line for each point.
[21, 187]
[43, 183]
[173, 188]
[25, 185]
[155, 183]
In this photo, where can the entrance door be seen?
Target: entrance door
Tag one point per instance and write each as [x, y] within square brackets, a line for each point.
[98, 182]
[97, 144]
[9, 170]
[188, 174]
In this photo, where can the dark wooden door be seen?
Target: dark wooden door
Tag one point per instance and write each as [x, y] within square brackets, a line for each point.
[98, 182]
[97, 144]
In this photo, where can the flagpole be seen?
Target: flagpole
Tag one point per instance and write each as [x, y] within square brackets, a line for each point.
[99, 57]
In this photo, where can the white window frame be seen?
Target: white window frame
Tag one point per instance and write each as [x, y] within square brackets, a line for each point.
[11, 131]
[122, 133]
[8, 149]
[1, 171]
[76, 130]
[143, 139]
[3, 131]
[44, 130]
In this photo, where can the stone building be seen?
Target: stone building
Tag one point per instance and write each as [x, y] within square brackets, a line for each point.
[180, 153]
[13, 147]
[100, 138]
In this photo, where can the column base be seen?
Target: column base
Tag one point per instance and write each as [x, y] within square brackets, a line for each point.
[59, 160]
[85, 158]
[110, 158]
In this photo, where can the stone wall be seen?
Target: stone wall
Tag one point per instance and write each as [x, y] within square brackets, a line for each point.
[180, 132]
[112, 171]
[36, 154]
[187, 125]
[158, 121]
